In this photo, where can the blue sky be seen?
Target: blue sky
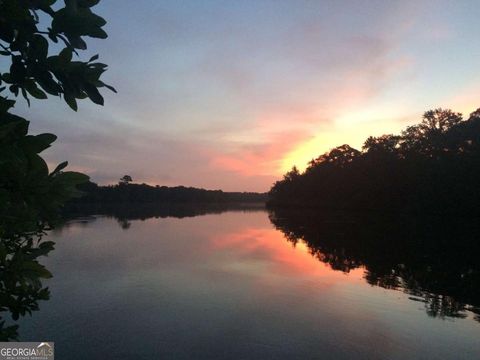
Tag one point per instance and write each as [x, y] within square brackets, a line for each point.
[230, 94]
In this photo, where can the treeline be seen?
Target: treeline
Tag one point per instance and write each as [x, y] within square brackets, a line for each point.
[433, 166]
[129, 193]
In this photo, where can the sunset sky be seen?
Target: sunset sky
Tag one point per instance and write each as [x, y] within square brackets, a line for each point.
[231, 94]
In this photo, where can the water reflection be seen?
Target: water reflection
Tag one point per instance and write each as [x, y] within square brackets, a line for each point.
[432, 259]
[228, 285]
[142, 211]
[21, 271]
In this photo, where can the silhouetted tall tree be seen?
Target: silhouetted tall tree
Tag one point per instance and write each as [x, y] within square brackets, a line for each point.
[125, 180]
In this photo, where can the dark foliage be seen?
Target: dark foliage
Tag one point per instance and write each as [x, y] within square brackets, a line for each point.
[126, 193]
[39, 40]
[433, 166]
[30, 198]
[35, 71]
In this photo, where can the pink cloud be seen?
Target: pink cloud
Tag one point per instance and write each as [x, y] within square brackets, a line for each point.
[259, 158]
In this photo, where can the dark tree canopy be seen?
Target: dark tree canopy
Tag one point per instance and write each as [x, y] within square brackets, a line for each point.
[129, 193]
[432, 166]
[339, 156]
[385, 144]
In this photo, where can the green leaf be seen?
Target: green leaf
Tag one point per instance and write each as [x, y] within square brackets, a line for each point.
[25, 96]
[38, 143]
[46, 81]
[33, 269]
[38, 168]
[40, 46]
[111, 88]
[5, 104]
[52, 36]
[93, 58]
[102, 84]
[97, 33]
[65, 56]
[78, 43]
[13, 126]
[7, 78]
[70, 100]
[43, 249]
[94, 94]
[17, 69]
[33, 90]
[59, 167]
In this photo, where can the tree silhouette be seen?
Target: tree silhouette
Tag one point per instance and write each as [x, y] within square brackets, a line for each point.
[340, 156]
[382, 145]
[39, 46]
[432, 166]
[98, 197]
[125, 180]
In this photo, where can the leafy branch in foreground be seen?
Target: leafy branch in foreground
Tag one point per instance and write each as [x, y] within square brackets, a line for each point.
[35, 70]
[39, 43]
[30, 197]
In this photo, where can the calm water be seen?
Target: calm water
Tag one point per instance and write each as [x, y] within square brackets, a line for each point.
[226, 286]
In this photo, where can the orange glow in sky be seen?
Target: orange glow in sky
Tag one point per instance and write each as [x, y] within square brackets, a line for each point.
[233, 97]
[351, 128]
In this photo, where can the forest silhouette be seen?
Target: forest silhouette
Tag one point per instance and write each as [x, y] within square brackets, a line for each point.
[432, 166]
[127, 193]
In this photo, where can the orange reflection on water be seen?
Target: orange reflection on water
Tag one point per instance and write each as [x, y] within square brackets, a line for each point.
[267, 249]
